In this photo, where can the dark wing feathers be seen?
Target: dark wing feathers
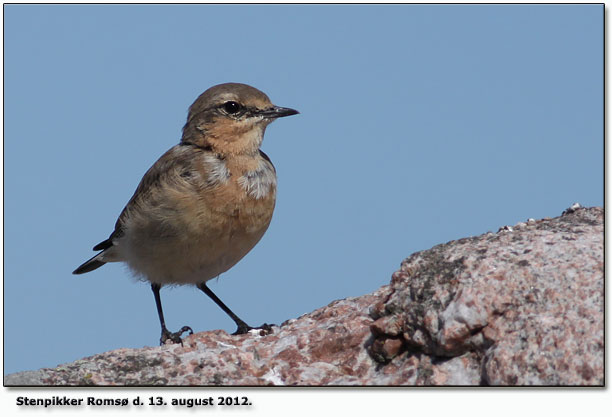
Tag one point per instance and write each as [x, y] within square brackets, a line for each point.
[105, 244]
[183, 155]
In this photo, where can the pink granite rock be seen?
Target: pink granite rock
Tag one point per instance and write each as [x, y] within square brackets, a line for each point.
[523, 306]
[526, 303]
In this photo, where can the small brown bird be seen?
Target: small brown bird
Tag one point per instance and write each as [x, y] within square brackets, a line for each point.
[204, 204]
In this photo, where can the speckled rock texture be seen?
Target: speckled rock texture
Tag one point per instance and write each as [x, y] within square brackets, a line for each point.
[523, 306]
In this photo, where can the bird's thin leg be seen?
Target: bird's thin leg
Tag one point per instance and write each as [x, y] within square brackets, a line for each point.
[165, 333]
[242, 326]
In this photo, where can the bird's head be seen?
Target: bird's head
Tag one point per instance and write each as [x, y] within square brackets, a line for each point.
[231, 118]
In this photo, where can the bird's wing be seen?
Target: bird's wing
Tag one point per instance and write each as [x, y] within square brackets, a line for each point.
[174, 168]
[177, 162]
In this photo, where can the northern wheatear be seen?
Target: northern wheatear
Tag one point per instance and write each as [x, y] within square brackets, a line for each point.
[204, 204]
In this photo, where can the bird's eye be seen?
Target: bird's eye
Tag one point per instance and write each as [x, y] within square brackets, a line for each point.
[231, 107]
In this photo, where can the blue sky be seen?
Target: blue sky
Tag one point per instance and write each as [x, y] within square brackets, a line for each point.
[418, 125]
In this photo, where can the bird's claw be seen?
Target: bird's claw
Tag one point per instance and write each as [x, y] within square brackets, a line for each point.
[174, 337]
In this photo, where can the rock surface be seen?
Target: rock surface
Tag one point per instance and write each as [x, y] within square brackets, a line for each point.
[523, 306]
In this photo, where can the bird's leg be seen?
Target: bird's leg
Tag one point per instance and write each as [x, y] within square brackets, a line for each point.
[242, 326]
[165, 333]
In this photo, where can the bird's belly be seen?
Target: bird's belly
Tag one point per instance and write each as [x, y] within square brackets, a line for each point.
[177, 262]
[194, 245]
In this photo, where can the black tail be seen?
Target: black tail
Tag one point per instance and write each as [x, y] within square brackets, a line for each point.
[94, 263]
[89, 266]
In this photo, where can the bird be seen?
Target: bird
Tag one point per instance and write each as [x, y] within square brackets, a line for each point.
[204, 204]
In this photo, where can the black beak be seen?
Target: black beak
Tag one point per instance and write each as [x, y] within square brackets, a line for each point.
[276, 112]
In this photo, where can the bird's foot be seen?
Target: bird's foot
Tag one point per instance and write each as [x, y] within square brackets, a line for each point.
[174, 337]
[264, 329]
